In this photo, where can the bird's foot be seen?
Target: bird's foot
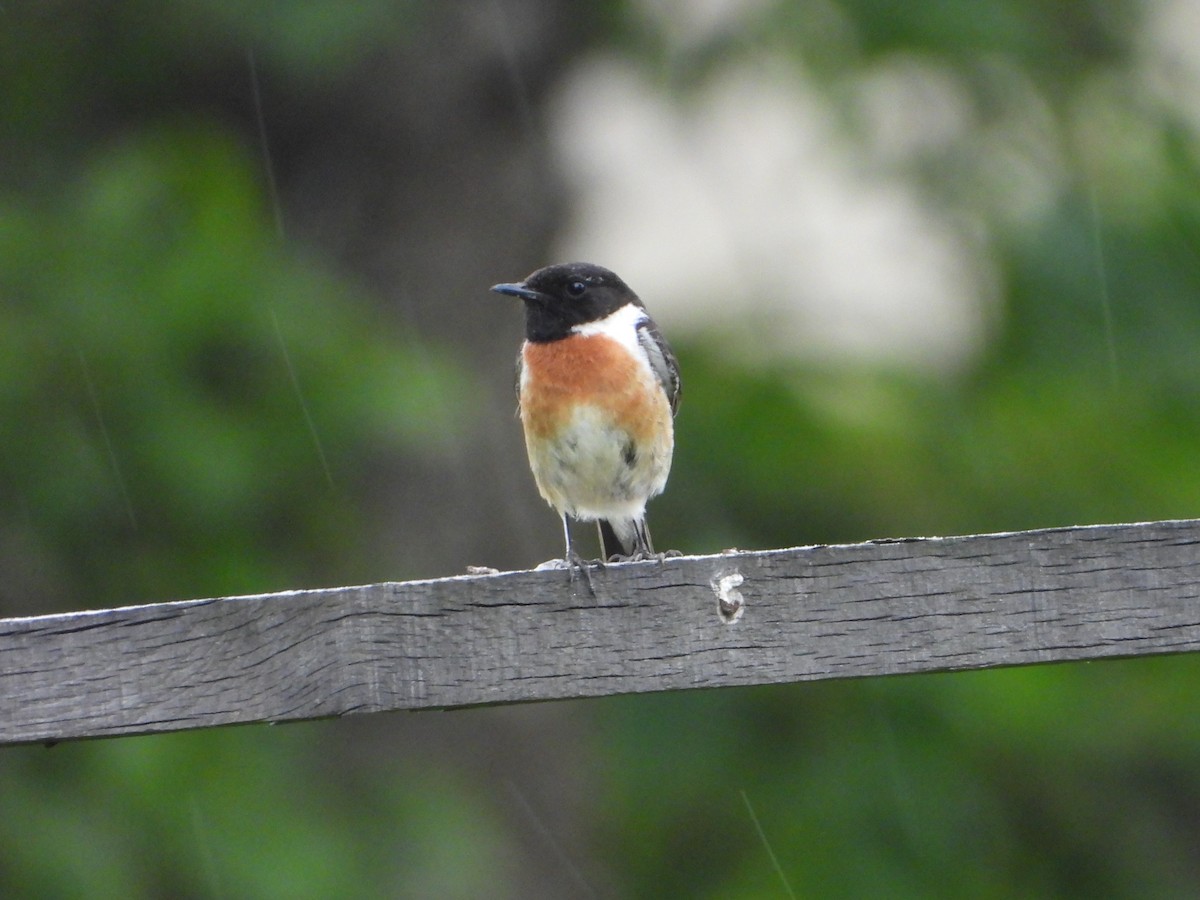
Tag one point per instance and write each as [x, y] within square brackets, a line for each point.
[576, 563]
[643, 556]
[576, 566]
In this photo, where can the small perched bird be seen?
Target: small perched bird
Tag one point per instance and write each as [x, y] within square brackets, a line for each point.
[597, 387]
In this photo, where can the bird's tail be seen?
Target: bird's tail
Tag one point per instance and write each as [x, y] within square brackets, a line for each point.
[624, 537]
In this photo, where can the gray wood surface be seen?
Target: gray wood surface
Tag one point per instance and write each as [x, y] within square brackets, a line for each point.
[745, 618]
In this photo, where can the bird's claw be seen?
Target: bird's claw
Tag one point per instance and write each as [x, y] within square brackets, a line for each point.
[575, 565]
[643, 556]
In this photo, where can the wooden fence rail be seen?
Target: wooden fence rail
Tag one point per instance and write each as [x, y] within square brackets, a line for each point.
[740, 618]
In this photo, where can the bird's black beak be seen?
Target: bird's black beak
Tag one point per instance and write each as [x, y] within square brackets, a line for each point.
[517, 290]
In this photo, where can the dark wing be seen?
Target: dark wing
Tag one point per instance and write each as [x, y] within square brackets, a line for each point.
[662, 360]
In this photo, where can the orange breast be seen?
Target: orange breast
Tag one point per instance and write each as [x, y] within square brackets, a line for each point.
[595, 370]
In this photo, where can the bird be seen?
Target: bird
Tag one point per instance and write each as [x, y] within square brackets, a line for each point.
[597, 392]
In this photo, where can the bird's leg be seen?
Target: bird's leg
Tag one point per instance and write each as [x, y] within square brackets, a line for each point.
[643, 547]
[574, 561]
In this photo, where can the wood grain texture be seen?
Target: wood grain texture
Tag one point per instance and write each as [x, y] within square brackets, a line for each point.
[877, 608]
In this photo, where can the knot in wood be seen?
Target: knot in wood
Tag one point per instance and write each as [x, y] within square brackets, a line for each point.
[730, 603]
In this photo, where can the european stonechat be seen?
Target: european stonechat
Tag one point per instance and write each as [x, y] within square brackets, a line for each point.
[597, 390]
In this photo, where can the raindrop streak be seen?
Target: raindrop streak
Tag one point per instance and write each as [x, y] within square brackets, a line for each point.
[108, 445]
[308, 420]
[548, 836]
[1105, 304]
[268, 167]
[762, 836]
[273, 189]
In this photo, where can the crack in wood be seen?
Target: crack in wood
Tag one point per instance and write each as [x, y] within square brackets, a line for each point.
[815, 612]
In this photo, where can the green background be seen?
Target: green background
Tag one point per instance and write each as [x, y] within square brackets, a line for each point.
[211, 386]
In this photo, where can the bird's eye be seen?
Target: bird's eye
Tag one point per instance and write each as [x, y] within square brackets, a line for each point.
[576, 288]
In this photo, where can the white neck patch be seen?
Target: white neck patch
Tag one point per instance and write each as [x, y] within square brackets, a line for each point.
[620, 325]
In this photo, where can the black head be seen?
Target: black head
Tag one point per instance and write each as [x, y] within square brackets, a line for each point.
[557, 298]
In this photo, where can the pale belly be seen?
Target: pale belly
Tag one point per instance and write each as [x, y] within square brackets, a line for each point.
[594, 470]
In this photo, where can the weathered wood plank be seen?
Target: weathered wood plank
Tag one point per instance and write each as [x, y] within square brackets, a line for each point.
[812, 612]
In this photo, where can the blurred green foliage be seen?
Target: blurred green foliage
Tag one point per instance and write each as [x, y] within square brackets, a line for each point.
[150, 299]
[247, 812]
[1026, 782]
[190, 407]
